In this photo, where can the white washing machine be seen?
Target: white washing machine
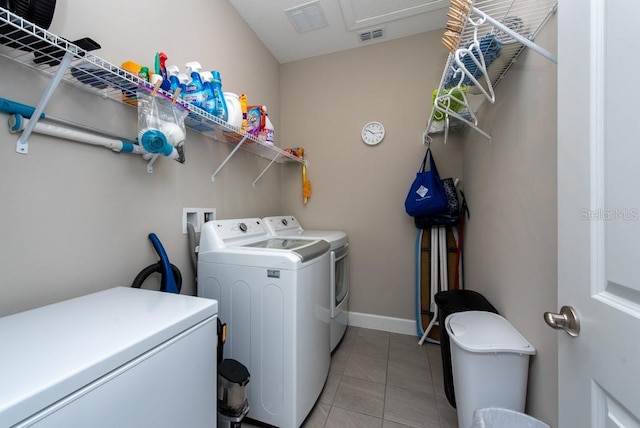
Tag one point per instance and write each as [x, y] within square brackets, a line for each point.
[288, 226]
[270, 293]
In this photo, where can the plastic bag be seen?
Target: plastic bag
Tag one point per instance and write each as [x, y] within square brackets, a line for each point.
[161, 128]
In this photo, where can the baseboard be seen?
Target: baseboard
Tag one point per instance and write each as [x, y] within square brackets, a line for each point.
[379, 322]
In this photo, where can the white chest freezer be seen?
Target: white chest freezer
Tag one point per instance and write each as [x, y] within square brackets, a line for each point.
[123, 357]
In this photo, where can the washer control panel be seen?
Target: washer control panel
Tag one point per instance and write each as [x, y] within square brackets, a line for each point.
[239, 228]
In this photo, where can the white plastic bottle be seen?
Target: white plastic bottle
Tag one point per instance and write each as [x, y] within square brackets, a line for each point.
[268, 130]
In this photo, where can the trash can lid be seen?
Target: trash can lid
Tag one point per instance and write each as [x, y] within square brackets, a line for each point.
[481, 331]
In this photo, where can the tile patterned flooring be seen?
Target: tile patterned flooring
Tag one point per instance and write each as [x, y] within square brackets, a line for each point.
[382, 380]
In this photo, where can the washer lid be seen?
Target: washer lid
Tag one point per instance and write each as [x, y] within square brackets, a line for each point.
[480, 331]
[306, 249]
[288, 226]
[335, 238]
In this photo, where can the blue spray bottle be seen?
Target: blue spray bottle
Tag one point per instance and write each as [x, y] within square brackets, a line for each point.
[184, 80]
[216, 85]
[195, 93]
[210, 104]
[223, 110]
[172, 73]
[216, 103]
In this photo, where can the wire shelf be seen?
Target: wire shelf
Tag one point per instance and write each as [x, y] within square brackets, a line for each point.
[512, 23]
[23, 42]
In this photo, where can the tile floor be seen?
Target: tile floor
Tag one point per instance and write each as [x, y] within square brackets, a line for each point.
[382, 380]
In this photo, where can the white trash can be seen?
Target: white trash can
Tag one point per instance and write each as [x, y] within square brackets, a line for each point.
[490, 361]
[494, 417]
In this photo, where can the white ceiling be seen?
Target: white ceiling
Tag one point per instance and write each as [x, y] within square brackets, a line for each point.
[346, 19]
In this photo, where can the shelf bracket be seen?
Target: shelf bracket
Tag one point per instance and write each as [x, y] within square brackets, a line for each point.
[151, 162]
[22, 146]
[265, 170]
[233, 152]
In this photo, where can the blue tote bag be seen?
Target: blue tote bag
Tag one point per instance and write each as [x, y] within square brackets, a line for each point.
[427, 195]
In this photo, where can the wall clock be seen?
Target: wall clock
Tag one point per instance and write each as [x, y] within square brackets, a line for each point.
[372, 133]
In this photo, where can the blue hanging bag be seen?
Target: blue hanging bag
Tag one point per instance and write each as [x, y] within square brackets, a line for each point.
[427, 195]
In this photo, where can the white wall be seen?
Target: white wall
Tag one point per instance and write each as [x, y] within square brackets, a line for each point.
[359, 188]
[511, 238]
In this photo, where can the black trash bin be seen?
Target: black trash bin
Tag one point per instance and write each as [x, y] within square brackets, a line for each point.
[449, 302]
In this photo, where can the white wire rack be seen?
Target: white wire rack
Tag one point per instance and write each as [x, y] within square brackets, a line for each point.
[65, 61]
[505, 27]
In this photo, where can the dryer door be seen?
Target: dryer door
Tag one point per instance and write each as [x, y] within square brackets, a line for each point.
[339, 276]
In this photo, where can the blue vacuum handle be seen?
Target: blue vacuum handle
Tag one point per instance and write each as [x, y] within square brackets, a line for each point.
[168, 280]
[12, 107]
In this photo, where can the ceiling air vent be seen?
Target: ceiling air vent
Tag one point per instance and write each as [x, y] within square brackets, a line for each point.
[370, 35]
[307, 17]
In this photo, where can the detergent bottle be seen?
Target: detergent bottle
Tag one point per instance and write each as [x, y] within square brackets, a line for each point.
[172, 73]
[194, 93]
[268, 130]
[144, 73]
[210, 104]
[243, 107]
[184, 80]
[221, 105]
[265, 131]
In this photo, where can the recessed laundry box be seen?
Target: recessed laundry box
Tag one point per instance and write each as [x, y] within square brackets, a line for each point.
[490, 360]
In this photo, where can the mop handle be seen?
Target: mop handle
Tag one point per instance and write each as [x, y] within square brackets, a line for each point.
[13, 107]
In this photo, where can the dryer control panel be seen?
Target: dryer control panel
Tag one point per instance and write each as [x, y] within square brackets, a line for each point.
[282, 224]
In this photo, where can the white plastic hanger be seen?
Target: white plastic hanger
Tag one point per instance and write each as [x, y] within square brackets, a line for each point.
[464, 14]
[474, 52]
[443, 103]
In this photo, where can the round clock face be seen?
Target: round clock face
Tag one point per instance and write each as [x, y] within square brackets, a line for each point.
[372, 133]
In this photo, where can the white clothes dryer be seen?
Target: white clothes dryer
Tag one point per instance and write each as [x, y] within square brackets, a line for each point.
[270, 295]
[289, 226]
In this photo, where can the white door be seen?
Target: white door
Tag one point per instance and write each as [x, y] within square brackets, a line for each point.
[599, 211]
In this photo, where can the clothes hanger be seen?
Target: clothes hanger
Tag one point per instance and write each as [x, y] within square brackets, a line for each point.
[443, 104]
[474, 53]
